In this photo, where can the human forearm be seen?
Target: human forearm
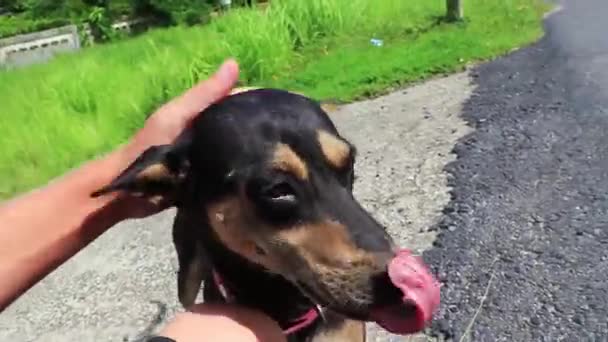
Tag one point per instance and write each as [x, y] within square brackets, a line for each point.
[42, 229]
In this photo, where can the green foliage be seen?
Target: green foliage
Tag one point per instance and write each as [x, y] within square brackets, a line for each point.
[18, 24]
[65, 9]
[42, 8]
[33, 15]
[101, 24]
[120, 8]
[13, 5]
[175, 12]
[55, 116]
[97, 3]
[36, 15]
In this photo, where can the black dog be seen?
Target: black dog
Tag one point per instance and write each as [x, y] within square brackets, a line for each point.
[266, 216]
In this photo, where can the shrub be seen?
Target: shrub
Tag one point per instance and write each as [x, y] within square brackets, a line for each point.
[13, 5]
[33, 15]
[18, 24]
[101, 24]
[174, 12]
[44, 8]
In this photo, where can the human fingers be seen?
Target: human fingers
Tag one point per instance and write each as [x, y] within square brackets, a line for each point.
[210, 90]
[173, 117]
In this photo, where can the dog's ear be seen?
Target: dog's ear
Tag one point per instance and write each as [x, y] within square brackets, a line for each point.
[158, 171]
[194, 266]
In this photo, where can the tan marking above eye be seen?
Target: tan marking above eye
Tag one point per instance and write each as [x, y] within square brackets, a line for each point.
[287, 160]
[335, 150]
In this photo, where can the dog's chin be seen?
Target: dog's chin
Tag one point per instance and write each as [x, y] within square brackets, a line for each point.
[401, 319]
[350, 311]
[355, 313]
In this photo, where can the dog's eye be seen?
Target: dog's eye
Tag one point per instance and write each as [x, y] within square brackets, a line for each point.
[281, 192]
[259, 250]
[276, 200]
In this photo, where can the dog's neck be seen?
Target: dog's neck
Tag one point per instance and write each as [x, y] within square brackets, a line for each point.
[253, 287]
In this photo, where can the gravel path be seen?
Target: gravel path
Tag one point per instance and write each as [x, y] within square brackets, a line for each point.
[123, 284]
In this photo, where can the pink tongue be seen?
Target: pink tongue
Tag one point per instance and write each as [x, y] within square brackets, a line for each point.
[409, 274]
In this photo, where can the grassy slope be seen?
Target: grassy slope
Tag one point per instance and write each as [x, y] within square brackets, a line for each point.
[19, 24]
[54, 116]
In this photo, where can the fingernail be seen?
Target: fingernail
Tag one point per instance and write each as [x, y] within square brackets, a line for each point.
[226, 71]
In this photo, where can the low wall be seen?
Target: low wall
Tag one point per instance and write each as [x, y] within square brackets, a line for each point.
[38, 47]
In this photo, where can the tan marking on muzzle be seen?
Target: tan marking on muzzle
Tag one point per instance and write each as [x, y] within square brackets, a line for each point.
[326, 245]
[335, 150]
[349, 331]
[287, 160]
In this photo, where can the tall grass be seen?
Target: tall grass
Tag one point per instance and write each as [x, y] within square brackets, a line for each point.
[56, 115]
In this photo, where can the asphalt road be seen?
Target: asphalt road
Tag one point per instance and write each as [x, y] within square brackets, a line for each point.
[523, 247]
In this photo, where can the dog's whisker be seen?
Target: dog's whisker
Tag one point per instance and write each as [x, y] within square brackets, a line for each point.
[321, 311]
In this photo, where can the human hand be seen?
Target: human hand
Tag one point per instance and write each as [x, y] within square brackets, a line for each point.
[167, 123]
[215, 322]
[172, 118]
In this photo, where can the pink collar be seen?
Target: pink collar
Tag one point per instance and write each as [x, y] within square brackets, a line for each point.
[300, 323]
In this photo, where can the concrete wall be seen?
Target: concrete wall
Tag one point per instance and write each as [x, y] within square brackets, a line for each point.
[38, 47]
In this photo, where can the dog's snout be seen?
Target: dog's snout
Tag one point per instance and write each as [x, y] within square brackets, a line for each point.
[383, 258]
[366, 232]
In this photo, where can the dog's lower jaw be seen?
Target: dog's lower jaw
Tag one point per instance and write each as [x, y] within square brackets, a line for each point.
[280, 301]
[286, 311]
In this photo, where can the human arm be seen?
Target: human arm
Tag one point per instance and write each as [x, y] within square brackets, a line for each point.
[45, 227]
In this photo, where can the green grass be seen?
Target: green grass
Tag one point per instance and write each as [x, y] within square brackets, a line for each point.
[19, 24]
[55, 116]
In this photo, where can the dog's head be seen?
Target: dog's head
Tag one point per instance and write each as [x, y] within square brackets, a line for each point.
[268, 173]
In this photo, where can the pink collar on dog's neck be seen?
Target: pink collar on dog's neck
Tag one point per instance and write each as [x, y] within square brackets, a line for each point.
[300, 323]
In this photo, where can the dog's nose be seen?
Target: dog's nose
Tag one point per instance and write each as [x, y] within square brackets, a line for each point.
[385, 257]
[385, 291]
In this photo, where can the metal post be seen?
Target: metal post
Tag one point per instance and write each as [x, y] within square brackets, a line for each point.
[454, 10]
